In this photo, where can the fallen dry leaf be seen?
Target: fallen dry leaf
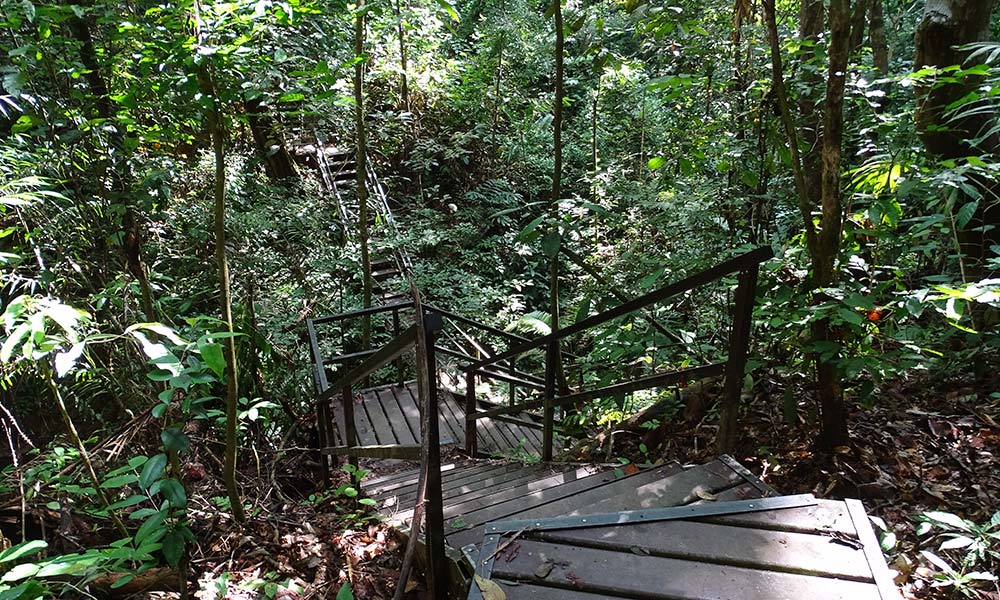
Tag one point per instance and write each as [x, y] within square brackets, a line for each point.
[490, 590]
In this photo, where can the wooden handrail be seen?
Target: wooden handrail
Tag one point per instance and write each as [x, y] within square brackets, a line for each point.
[747, 265]
[382, 357]
[371, 310]
[733, 265]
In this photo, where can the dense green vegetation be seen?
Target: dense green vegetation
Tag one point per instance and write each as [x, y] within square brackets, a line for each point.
[163, 239]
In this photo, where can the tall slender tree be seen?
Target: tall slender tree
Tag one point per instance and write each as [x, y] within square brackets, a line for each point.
[361, 158]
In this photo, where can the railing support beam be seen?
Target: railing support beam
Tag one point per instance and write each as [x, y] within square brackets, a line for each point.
[739, 343]
[548, 411]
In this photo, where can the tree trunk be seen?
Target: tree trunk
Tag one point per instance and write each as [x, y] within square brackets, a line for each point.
[557, 118]
[269, 141]
[361, 158]
[217, 131]
[404, 90]
[876, 32]
[947, 25]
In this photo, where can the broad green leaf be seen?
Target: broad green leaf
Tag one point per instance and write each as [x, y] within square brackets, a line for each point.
[965, 214]
[656, 163]
[13, 341]
[19, 572]
[174, 439]
[450, 9]
[211, 353]
[173, 547]
[174, 492]
[946, 518]
[152, 470]
[22, 549]
[119, 481]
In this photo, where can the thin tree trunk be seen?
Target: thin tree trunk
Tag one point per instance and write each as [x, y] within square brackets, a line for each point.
[404, 91]
[557, 117]
[496, 92]
[594, 120]
[217, 131]
[361, 158]
[876, 33]
[269, 141]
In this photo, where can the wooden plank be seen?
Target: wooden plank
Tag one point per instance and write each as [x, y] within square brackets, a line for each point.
[825, 516]
[395, 417]
[631, 575]
[454, 479]
[410, 476]
[366, 435]
[802, 553]
[490, 478]
[409, 407]
[672, 486]
[496, 488]
[452, 417]
[872, 550]
[682, 488]
[490, 443]
[571, 497]
[524, 591]
[384, 434]
[393, 451]
[388, 353]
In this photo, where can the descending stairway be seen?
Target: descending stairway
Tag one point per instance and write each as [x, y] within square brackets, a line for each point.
[338, 170]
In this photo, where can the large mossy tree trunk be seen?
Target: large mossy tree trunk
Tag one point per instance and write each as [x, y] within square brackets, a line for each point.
[945, 30]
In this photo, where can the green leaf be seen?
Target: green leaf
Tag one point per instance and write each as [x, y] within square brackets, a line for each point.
[22, 549]
[945, 518]
[119, 481]
[122, 581]
[152, 470]
[656, 163]
[174, 492]
[173, 547]
[965, 214]
[20, 572]
[13, 340]
[450, 9]
[292, 97]
[65, 361]
[345, 592]
[127, 502]
[174, 439]
[211, 353]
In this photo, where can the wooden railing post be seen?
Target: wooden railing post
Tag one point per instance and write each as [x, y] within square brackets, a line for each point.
[349, 426]
[395, 334]
[437, 571]
[548, 414]
[471, 423]
[739, 343]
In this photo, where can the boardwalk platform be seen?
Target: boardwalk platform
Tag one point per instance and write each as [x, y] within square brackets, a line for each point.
[784, 548]
[390, 414]
[477, 492]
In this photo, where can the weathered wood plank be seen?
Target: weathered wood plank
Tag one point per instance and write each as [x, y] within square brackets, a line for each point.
[450, 480]
[682, 488]
[452, 418]
[802, 553]
[379, 451]
[631, 575]
[572, 495]
[492, 478]
[409, 407]
[395, 417]
[384, 435]
[366, 434]
[826, 516]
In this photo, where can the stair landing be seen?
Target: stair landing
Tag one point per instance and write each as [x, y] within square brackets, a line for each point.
[477, 492]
